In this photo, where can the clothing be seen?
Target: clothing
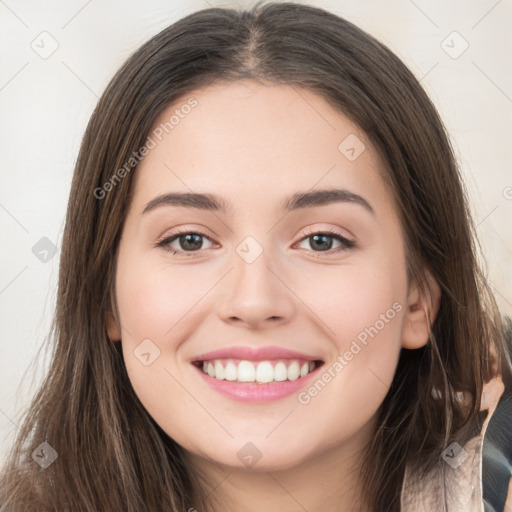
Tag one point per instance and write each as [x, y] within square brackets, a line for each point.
[456, 483]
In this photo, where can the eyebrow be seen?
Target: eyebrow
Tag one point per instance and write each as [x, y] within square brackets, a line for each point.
[296, 201]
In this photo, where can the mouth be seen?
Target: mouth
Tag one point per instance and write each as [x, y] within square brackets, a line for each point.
[260, 374]
[269, 371]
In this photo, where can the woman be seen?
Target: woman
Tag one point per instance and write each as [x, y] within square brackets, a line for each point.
[214, 351]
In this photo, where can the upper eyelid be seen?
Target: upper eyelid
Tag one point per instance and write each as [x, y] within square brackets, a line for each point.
[328, 231]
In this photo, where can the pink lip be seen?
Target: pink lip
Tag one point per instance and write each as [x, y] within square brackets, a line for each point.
[254, 392]
[253, 354]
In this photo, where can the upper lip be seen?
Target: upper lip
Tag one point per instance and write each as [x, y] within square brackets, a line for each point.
[253, 354]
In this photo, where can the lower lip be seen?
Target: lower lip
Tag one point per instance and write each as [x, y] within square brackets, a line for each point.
[254, 392]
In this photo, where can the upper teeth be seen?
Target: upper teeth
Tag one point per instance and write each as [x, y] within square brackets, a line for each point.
[262, 371]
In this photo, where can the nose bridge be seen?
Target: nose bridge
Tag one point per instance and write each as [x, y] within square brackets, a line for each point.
[255, 292]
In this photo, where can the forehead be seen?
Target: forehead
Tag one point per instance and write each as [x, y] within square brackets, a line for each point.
[231, 136]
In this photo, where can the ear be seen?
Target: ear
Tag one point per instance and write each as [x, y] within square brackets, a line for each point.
[422, 307]
[113, 330]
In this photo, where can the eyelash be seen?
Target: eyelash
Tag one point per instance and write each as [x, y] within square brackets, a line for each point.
[163, 243]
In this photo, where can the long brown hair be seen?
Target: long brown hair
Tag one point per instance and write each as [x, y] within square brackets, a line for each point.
[111, 454]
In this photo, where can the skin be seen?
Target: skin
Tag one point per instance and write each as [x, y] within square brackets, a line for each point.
[254, 145]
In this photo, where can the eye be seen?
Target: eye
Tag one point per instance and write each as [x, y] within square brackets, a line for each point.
[189, 241]
[322, 240]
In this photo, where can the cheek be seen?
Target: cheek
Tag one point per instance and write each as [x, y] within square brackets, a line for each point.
[156, 300]
[363, 315]
[159, 306]
[351, 300]
[156, 311]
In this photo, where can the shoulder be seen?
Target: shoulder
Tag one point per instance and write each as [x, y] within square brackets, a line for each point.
[458, 480]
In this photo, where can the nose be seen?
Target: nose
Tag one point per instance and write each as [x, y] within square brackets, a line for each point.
[256, 294]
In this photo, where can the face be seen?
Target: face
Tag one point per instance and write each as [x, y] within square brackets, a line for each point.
[307, 295]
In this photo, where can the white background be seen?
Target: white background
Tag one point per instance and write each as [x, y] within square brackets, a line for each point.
[46, 103]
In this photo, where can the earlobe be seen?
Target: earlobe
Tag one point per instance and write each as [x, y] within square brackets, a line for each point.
[422, 307]
[112, 328]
